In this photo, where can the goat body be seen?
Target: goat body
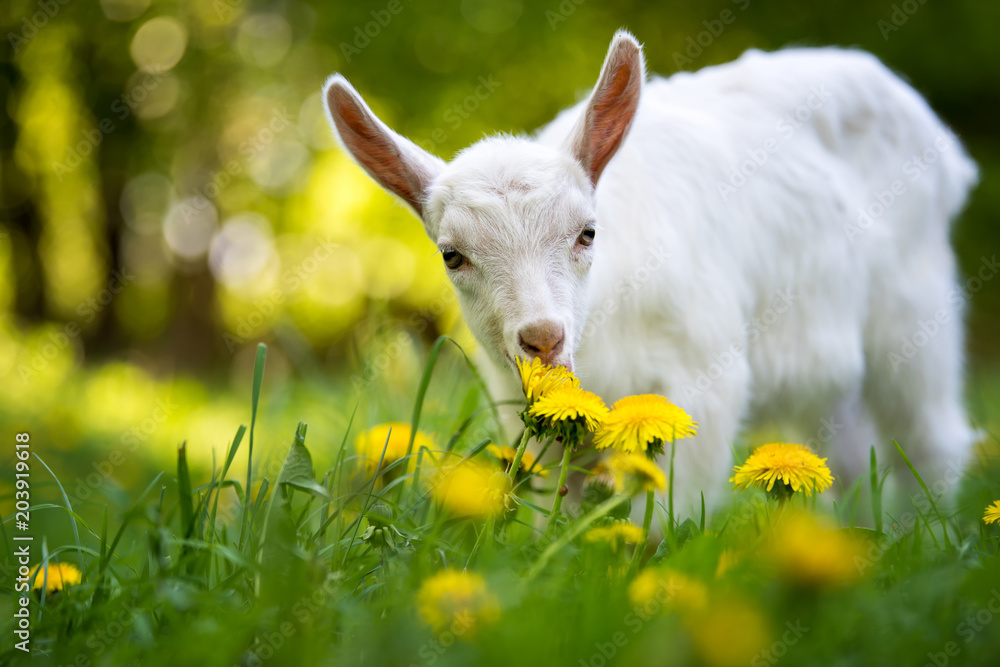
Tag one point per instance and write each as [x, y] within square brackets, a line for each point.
[769, 242]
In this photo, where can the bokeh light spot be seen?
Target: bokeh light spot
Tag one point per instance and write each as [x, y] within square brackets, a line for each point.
[159, 44]
[492, 16]
[124, 10]
[189, 226]
[242, 250]
[264, 39]
[279, 167]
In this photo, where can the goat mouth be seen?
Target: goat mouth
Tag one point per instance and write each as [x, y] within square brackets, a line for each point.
[568, 364]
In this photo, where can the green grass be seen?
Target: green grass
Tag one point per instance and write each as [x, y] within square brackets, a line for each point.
[303, 567]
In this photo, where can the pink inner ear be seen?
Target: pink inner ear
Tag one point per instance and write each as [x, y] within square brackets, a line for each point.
[374, 147]
[611, 111]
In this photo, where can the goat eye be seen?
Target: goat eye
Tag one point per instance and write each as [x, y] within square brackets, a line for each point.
[453, 259]
[587, 235]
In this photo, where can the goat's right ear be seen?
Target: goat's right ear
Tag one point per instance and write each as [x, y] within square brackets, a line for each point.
[397, 164]
[608, 113]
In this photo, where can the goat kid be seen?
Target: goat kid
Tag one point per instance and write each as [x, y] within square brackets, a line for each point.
[770, 236]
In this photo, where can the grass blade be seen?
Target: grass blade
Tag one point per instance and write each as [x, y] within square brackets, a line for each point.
[184, 491]
[371, 488]
[876, 492]
[237, 439]
[125, 521]
[944, 526]
[72, 517]
[425, 380]
[701, 522]
[258, 378]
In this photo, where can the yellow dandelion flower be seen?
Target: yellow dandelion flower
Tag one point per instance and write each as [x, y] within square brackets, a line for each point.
[992, 514]
[457, 601]
[506, 456]
[471, 489]
[617, 534]
[569, 404]
[730, 633]
[537, 378]
[657, 588]
[727, 559]
[370, 444]
[56, 577]
[631, 470]
[433, 463]
[794, 465]
[811, 552]
[638, 423]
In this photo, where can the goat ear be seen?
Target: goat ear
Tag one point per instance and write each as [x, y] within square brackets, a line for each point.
[397, 164]
[611, 107]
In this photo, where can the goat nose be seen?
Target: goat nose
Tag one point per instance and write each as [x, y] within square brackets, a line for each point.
[543, 340]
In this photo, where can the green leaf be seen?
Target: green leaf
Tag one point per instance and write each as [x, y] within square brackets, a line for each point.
[279, 555]
[297, 470]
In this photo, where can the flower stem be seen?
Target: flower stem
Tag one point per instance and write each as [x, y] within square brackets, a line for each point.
[647, 521]
[557, 503]
[490, 534]
[516, 463]
[485, 536]
[567, 537]
[670, 490]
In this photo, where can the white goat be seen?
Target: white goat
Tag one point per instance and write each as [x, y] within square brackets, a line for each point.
[773, 245]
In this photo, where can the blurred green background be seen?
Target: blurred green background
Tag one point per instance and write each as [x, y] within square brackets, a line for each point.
[170, 194]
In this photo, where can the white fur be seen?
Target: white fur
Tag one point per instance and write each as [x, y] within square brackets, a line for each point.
[766, 301]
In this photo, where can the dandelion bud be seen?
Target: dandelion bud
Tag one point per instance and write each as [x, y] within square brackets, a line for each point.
[380, 514]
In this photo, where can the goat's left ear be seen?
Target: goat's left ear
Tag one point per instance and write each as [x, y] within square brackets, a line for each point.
[611, 107]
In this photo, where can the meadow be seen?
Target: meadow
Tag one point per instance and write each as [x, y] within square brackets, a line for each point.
[171, 195]
[376, 557]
